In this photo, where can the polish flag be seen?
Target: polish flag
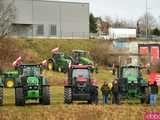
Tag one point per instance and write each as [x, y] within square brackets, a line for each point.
[55, 50]
[44, 62]
[18, 61]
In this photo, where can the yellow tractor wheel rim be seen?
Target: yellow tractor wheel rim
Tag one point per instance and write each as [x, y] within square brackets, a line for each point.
[10, 83]
[50, 66]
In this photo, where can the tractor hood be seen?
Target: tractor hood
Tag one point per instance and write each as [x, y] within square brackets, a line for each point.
[32, 81]
[65, 60]
[13, 73]
[85, 61]
[81, 79]
[132, 78]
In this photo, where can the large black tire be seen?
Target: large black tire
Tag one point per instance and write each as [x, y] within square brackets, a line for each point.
[1, 96]
[45, 98]
[19, 97]
[67, 95]
[142, 100]
[90, 101]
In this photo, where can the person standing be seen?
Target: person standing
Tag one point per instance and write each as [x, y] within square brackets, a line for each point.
[113, 69]
[154, 92]
[116, 92]
[94, 93]
[105, 92]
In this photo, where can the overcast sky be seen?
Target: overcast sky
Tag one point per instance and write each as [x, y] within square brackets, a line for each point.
[126, 9]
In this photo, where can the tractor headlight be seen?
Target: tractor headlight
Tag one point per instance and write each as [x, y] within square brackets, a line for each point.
[30, 87]
[35, 87]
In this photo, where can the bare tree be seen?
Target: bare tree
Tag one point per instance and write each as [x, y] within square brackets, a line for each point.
[146, 21]
[7, 16]
[123, 23]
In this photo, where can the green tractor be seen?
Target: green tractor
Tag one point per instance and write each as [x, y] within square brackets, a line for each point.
[30, 85]
[82, 57]
[131, 83]
[9, 78]
[79, 83]
[59, 62]
[1, 92]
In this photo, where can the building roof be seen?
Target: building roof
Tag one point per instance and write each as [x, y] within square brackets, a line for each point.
[62, 1]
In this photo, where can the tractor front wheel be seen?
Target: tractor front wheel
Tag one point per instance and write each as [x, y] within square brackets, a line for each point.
[19, 97]
[142, 100]
[1, 96]
[67, 95]
[45, 98]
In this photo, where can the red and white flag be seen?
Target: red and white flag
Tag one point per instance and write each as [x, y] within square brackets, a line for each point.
[18, 61]
[44, 62]
[55, 50]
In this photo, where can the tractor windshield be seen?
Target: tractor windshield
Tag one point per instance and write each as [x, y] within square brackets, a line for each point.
[130, 72]
[27, 71]
[80, 54]
[84, 73]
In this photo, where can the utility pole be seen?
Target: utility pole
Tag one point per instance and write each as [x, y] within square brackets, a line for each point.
[147, 19]
[159, 22]
[32, 19]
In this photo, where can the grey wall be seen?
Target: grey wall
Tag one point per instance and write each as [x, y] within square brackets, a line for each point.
[71, 19]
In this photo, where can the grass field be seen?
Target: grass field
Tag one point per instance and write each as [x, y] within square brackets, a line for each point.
[76, 111]
[34, 51]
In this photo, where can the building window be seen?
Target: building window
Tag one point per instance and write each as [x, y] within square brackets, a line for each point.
[40, 30]
[53, 30]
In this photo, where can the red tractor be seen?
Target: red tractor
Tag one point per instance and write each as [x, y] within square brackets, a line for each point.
[80, 85]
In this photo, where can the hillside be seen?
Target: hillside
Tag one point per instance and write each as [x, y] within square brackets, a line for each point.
[36, 50]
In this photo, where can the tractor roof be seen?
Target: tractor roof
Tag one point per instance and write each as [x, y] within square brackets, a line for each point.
[130, 66]
[78, 51]
[11, 72]
[31, 65]
[81, 66]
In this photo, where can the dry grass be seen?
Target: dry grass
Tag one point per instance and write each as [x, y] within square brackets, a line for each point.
[76, 111]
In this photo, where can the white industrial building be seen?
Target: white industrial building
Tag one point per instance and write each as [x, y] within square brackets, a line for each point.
[115, 33]
[41, 18]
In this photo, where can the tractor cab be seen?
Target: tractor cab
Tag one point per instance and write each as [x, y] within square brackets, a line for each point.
[131, 73]
[80, 78]
[79, 83]
[59, 55]
[81, 57]
[29, 70]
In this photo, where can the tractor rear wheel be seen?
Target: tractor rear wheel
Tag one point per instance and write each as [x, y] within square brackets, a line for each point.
[45, 98]
[67, 95]
[19, 97]
[1, 96]
[89, 101]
